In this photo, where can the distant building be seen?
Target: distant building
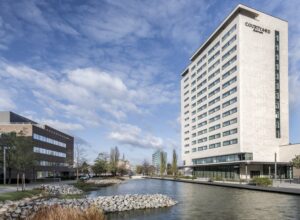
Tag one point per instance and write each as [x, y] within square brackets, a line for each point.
[156, 158]
[53, 149]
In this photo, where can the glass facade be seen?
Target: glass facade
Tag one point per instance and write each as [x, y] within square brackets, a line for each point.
[277, 85]
[220, 171]
[223, 158]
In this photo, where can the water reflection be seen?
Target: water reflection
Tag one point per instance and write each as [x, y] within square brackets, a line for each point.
[206, 202]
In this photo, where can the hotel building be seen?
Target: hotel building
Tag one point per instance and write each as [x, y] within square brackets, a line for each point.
[156, 159]
[53, 149]
[234, 100]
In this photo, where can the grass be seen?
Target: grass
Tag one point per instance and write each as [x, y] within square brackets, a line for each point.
[86, 187]
[75, 196]
[59, 213]
[17, 195]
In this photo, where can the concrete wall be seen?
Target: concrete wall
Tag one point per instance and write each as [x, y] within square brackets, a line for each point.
[257, 87]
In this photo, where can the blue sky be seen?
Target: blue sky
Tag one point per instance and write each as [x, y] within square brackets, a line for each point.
[109, 71]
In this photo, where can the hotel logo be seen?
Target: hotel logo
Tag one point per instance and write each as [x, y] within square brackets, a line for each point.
[257, 29]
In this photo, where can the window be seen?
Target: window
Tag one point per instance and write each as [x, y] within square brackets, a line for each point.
[214, 101]
[202, 108]
[204, 131]
[229, 132]
[202, 148]
[201, 92]
[228, 93]
[214, 56]
[211, 146]
[213, 110]
[230, 142]
[214, 92]
[201, 68]
[229, 122]
[214, 83]
[231, 51]
[228, 83]
[186, 79]
[215, 127]
[202, 124]
[201, 60]
[48, 140]
[48, 152]
[201, 84]
[214, 65]
[229, 102]
[214, 48]
[194, 149]
[202, 140]
[202, 116]
[201, 100]
[231, 30]
[213, 74]
[229, 112]
[232, 60]
[217, 117]
[215, 136]
[229, 72]
[229, 43]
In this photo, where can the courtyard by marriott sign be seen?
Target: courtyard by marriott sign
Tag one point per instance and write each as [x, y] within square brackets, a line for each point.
[257, 29]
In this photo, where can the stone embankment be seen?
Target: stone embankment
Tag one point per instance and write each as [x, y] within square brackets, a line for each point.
[104, 181]
[25, 208]
[60, 189]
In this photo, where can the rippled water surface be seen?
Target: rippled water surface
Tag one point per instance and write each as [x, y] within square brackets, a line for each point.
[198, 201]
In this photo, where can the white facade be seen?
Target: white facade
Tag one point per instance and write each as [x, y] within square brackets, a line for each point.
[229, 104]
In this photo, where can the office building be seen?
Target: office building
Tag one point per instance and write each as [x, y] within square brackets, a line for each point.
[234, 99]
[156, 160]
[53, 149]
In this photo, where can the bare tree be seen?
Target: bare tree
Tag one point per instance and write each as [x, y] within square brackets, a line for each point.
[79, 155]
[174, 163]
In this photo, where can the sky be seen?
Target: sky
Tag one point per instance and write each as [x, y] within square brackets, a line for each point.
[108, 72]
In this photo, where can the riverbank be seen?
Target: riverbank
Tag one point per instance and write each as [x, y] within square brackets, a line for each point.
[292, 191]
[108, 204]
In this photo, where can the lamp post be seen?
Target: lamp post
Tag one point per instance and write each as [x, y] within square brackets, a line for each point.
[4, 162]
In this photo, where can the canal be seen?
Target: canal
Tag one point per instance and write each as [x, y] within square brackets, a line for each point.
[198, 201]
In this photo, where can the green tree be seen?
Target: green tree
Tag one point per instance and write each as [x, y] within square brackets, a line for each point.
[23, 157]
[114, 160]
[85, 168]
[100, 166]
[296, 162]
[163, 163]
[169, 169]
[139, 169]
[174, 163]
[7, 140]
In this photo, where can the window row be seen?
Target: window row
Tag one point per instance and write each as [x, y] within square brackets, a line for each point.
[48, 140]
[50, 163]
[48, 152]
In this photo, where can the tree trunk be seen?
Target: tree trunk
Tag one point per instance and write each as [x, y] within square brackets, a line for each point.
[18, 181]
[23, 181]
[77, 173]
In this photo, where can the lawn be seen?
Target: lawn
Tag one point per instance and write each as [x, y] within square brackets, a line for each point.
[19, 195]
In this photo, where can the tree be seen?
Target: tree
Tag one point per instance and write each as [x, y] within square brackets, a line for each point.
[174, 163]
[101, 164]
[151, 170]
[114, 159]
[79, 156]
[146, 167]
[296, 162]
[139, 169]
[169, 169]
[162, 163]
[23, 157]
[7, 140]
[85, 168]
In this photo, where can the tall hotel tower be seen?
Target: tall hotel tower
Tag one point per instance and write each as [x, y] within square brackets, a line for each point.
[234, 99]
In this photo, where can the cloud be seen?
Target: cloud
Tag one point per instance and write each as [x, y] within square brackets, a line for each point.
[66, 126]
[6, 101]
[132, 135]
[294, 87]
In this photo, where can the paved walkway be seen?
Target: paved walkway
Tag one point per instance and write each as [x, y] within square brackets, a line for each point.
[284, 190]
[30, 186]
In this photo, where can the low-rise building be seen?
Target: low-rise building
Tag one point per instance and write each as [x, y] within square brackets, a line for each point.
[53, 149]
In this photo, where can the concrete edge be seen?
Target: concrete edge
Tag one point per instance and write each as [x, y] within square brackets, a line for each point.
[281, 190]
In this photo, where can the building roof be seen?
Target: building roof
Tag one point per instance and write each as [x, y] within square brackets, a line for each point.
[239, 9]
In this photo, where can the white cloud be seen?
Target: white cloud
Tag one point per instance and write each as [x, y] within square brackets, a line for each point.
[294, 87]
[61, 125]
[6, 102]
[132, 135]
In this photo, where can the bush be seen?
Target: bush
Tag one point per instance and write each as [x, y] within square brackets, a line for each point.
[261, 181]
[57, 212]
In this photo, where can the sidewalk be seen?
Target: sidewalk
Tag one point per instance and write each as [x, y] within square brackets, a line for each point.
[30, 186]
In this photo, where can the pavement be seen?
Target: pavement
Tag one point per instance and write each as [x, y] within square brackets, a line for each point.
[30, 186]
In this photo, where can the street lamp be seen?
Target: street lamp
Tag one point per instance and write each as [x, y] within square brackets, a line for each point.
[4, 162]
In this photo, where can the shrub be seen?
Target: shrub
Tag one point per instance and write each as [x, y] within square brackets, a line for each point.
[261, 181]
[57, 212]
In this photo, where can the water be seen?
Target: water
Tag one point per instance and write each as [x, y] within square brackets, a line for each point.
[198, 201]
